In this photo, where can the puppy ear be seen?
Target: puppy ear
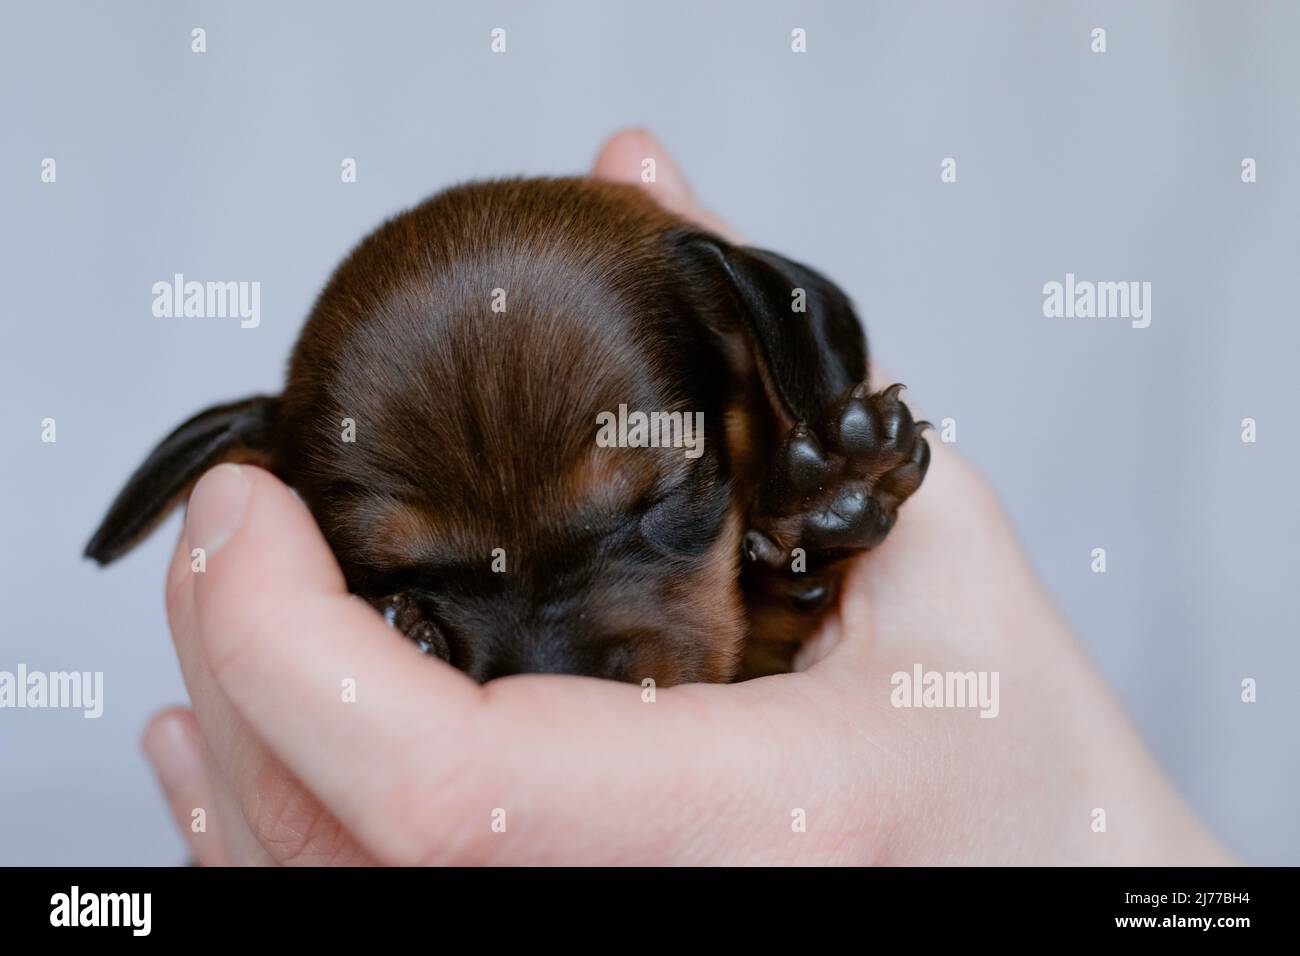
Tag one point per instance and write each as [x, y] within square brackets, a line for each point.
[241, 431]
[807, 339]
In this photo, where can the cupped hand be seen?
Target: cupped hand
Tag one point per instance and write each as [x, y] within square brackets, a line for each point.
[318, 735]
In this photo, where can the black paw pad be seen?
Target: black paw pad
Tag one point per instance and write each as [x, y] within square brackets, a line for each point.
[900, 483]
[851, 518]
[854, 426]
[804, 465]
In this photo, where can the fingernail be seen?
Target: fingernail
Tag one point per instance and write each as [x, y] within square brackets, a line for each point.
[216, 508]
[171, 753]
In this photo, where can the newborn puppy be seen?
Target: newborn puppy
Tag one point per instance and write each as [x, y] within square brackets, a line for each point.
[547, 426]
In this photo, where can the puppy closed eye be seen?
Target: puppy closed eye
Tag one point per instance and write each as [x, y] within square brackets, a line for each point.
[686, 522]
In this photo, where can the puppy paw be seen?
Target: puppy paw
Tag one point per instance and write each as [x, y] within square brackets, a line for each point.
[403, 613]
[837, 488]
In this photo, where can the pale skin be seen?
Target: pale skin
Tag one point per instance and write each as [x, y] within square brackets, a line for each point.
[318, 736]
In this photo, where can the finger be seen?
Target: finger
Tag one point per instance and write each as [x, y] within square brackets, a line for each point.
[313, 671]
[623, 159]
[172, 744]
[265, 815]
[229, 744]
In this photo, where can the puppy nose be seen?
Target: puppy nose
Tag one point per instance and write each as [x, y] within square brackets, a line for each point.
[504, 659]
[549, 652]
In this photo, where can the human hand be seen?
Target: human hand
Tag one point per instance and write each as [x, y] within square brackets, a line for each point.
[422, 762]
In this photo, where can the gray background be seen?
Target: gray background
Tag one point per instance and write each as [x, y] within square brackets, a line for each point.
[1117, 166]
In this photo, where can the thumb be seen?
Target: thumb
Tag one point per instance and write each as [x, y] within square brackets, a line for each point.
[630, 154]
[626, 157]
[313, 671]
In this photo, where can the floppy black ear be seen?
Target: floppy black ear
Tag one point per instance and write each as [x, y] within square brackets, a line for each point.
[241, 431]
[808, 357]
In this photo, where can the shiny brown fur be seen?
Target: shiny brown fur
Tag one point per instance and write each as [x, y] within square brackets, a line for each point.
[473, 504]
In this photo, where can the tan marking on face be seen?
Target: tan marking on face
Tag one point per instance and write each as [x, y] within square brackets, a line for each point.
[614, 480]
[392, 534]
[725, 610]
[608, 478]
[718, 612]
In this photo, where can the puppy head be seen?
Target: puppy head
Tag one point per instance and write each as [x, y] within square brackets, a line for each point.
[443, 420]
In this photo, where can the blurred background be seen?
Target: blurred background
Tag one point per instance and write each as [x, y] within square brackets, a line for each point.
[1122, 165]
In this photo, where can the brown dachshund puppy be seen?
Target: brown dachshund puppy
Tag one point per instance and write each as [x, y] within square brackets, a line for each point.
[547, 426]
